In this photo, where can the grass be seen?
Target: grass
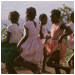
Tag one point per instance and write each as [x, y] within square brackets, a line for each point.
[68, 54]
[69, 51]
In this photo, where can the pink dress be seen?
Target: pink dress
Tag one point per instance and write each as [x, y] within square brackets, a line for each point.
[32, 47]
[53, 44]
[70, 38]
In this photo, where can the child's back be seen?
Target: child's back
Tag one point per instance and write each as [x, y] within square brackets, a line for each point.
[32, 47]
[15, 32]
[56, 32]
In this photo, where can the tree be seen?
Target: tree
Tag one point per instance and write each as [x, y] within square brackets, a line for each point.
[65, 13]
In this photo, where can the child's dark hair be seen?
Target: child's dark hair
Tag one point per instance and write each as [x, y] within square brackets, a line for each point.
[13, 16]
[72, 17]
[42, 16]
[30, 13]
[55, 16]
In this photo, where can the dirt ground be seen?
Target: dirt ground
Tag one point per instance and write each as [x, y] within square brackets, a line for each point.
[26, 71]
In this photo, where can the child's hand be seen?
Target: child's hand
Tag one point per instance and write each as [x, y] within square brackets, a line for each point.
[48, 37]
[60, 40]
[19, 48]
[43, 41]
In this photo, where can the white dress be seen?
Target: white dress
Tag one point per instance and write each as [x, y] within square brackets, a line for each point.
[32, 47]
[45, 33]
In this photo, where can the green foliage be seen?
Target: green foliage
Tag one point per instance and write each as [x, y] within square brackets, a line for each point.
[68, 54]
[65, 13]
[5, 25]
[69, 51]
[3, 32]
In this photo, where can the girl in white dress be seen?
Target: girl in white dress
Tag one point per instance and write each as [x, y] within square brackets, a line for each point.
[30, 44]
[43, 35]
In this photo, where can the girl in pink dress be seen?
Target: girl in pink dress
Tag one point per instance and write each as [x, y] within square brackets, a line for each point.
[56, 47]
[70, 40]
[30, 44]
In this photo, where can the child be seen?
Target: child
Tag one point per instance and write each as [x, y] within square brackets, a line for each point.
[9, 46]
[70, 40]
[43, 35]
[43, 22]
[56, 46]
[31, 46]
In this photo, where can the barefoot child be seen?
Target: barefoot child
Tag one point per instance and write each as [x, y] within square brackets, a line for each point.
[30, 44]
[43, 35]
[56, 46]
[70, 40]
[9, 46]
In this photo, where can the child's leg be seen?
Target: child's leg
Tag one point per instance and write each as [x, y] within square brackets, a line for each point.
[10, 68]
[44, 62]
[57, 60]
[54, 59]
[58, 66]
[71, 61]
[19, 61]
[54, 62]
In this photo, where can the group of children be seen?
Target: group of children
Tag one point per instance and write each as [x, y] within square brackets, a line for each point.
[35, 45]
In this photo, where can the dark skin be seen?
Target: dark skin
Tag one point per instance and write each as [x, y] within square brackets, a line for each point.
[43, 22]
[68, 31]
[33, 67]
[55, 56]
[24, 38]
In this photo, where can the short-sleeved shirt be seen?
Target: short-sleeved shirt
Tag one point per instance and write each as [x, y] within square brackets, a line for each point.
[15, 33]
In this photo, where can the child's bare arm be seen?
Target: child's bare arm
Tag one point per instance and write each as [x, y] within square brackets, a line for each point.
[7, 38]
[67, 30]
[24, 38]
